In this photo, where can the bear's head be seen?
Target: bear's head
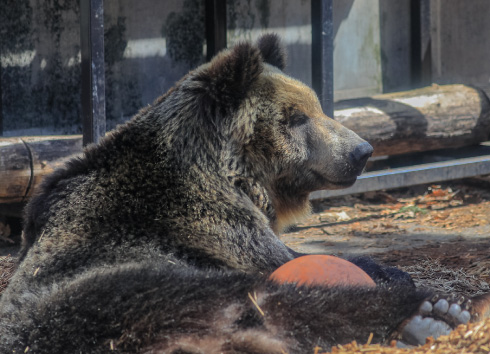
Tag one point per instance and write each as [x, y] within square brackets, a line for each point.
[276, 131]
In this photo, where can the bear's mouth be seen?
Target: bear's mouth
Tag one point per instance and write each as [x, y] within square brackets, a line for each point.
[343, 184]
[328, 183]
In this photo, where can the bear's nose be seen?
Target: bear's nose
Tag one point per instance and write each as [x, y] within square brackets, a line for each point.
[361, 153]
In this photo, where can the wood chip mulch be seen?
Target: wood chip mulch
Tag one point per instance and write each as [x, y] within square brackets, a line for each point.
[471, 338]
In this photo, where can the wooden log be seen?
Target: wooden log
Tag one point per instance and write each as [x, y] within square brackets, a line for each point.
[15, 169]
[430, 118]
[24, 161]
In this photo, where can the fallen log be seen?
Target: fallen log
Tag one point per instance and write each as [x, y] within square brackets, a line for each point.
[24, 161]
[430, 118]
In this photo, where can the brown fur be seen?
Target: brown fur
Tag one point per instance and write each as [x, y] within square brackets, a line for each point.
[154, 238]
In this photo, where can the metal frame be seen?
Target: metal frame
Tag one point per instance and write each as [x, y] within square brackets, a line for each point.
[93, 93]
[478, 163]
[322, 53]
[92, 65]
[415, 43]
[419, 173]
[1, 108]
[215, 27]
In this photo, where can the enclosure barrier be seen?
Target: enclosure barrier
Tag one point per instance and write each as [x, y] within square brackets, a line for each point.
[436, 117]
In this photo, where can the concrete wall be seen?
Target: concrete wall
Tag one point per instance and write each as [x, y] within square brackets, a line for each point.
[357, 57]
[460, 33]
[151, 44]
[395, 46]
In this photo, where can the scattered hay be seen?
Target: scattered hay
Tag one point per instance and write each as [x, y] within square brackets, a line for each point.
[432, 274]
[471, 338]
[7, 267]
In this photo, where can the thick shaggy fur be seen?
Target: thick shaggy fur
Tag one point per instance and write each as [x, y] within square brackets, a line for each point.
[143, 307]
[160, 238]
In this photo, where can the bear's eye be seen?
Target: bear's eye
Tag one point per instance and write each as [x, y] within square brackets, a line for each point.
[298, 119]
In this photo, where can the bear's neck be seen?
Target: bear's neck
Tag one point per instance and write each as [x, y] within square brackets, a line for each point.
[283, 204]
[259, 197]
[280, 212]
[291, 211]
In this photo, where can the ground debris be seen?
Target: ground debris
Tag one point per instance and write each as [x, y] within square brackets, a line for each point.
[7, 267]
[430, 273]
[430, 209]
[5, 232]
[471, 338]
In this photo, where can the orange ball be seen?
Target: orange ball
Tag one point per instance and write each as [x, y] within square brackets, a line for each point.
[322, 270]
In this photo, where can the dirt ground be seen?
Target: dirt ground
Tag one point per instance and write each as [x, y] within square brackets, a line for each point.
[440, 234]
[431, 231]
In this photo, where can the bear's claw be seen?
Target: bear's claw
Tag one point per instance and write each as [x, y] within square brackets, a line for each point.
[436, 316]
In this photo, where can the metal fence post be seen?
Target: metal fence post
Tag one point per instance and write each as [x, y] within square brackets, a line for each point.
[215, 12]
[92, 65]
[322, 53]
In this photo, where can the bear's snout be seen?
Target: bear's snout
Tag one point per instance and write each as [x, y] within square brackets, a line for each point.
[360, 155]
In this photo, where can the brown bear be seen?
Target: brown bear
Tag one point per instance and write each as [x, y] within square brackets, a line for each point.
[160, 238]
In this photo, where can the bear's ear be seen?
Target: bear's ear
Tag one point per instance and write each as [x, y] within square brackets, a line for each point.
[229, 76]
[272, 50]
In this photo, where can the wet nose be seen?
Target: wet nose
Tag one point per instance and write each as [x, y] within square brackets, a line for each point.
[361, 153]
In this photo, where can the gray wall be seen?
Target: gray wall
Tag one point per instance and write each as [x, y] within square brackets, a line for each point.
[151, 44]
[460, 48]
